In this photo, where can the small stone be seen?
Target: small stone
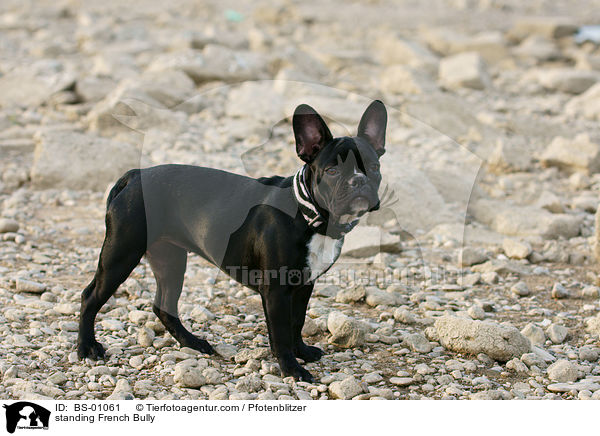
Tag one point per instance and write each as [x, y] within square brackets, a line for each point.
[350, 295]
[593, 325]
[345, 331]
[112, 324]
[520, 289]
[557, 333]
[516, 249]
[226, 351]
[550, 201]
[563, 371]
[58, 378]
[517, 366]
[188, 375]
[464, 70]
[136, 362]
[30, 286]
[145, 337]
[66, 308]
[476, 312]
[404, 316]
[581, 153]
[588, 353]
[590, 292]
[469, 256]
[402, 381]
[376, 297]
[559, 291]
[138, 316]
[310, 327]
[534, 333]
[418, 343]
[345, 389]
[8, 225]
[586, 105]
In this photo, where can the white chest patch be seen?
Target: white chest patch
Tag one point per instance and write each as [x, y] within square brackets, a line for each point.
[323, 251]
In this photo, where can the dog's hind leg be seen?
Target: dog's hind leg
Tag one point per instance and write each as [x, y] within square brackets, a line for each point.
[168, 263]
[122, 250]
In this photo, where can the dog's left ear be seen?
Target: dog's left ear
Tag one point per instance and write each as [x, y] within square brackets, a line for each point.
[372, 126]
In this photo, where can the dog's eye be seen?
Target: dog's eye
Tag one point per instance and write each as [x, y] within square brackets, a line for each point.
[332, 171]
[375, 167]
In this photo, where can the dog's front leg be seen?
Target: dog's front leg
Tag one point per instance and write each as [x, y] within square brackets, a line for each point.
[277, 302]
[300, 299]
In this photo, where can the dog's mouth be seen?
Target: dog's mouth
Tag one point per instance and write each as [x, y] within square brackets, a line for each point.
[359, 205]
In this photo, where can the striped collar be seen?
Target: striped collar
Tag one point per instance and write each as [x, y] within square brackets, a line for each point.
[310, 212]
[305, 201]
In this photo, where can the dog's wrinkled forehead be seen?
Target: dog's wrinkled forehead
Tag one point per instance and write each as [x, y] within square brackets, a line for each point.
[346, 151]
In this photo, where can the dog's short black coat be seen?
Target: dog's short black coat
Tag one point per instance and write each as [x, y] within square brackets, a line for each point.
[242, 225]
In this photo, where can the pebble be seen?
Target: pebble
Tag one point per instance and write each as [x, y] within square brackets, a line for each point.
[557, 333]
[30, 286]
[345, 389]
[520, 289]
[563, 371]
[402, 381]
[145, 337]
[418, 343]
[8, 225]
[534, 333]
[559, 291]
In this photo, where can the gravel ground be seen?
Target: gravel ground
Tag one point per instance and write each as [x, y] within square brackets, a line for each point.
[480, 282]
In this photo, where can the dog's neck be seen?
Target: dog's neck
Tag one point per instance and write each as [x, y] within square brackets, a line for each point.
[317, 218]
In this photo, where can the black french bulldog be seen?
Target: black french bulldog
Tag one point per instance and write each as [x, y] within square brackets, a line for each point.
[275, 235]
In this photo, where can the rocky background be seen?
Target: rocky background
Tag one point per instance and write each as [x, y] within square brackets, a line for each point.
[483, 281]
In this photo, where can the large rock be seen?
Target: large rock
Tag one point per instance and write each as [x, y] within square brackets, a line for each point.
[566, 79]
[78, 161]
[524, 221]
[586, 104]
[345, 331]
[464, 70]
[255, 100]
[581, 153]
[509, 155]
[34, 84]
[550, 27]
[364, 241]
[214, 62]
[151, 101]
[490, 45]
[516, 249]
[500, 342]
[539, 48]
[392, 49]
[400, 79]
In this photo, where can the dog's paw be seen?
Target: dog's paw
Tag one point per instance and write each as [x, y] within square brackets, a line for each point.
[309, 353]
[92, 349]
[198, 344]
[293, 369]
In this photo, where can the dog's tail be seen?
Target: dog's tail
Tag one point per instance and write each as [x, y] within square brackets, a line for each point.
[120, 185]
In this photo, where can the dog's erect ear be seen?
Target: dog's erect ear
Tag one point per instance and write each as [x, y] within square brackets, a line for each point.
[310, 131]
[372, 126]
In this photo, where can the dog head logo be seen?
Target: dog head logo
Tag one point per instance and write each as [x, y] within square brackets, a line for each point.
[26, 415]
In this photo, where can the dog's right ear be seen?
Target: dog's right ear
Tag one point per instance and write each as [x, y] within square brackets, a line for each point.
[310, 131]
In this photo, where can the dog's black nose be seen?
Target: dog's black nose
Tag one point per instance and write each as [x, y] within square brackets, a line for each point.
[357, 180]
